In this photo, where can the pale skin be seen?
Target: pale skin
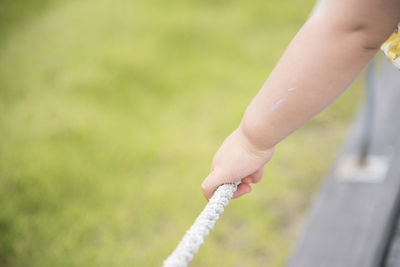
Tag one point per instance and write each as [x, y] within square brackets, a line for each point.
[320, 63]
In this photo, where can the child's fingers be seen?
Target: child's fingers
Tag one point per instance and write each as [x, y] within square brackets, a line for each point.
[247, 180]
[241, 190]
[215, 179]
[211, 183]
[254, 177]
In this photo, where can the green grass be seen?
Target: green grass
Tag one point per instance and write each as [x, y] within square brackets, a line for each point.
[110, 113]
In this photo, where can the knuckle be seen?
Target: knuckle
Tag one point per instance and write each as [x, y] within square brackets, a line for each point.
[257, 179]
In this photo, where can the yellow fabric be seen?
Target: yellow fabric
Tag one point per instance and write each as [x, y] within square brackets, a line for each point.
[391, 47]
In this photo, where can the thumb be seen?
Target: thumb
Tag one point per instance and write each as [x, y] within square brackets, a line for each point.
[213, 181]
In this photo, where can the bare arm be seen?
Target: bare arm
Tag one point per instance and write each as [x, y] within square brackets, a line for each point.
[322, 60]
[319, 64]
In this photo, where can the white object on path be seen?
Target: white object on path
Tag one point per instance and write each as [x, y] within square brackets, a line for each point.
[194, 237]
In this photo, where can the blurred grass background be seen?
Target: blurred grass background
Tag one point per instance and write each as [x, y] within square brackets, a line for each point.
[110, 112]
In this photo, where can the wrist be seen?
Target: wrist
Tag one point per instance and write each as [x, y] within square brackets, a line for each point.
[252, 144]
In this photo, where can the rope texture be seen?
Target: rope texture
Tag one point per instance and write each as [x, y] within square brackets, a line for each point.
[201, 227]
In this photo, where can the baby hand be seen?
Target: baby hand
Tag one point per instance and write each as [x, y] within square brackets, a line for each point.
[237, 159]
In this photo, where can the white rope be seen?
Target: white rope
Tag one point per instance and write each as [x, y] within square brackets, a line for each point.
[194, 237]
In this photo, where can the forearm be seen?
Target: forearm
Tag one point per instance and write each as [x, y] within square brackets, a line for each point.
[319, 64]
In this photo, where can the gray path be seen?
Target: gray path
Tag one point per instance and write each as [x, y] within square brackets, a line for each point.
[352, 221]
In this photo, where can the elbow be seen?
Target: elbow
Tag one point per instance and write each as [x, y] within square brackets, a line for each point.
[368, 30]
[370, 37]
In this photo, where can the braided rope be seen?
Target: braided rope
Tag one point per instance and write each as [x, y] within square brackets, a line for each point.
[201, 227]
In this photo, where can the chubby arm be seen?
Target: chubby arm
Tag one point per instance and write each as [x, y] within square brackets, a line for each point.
[319, 64]
[322, 60]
